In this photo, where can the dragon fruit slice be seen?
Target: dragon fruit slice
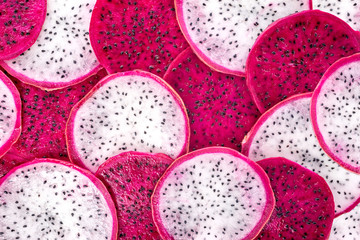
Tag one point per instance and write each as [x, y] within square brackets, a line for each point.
[212, 193]
[52, 199]
[44, 117]
[136, 34]
[131, 178]
[20, 25]
[334, 112]
[286, 131]
[10, 114]
[222, 32]
[292, 54]
[304, 206]
[62, 55]
[347, 226]
[130, 111]
[220, 107]
[348, 10]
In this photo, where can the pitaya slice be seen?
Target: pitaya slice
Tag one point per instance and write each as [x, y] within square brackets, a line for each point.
[131, 178]
[220, 107]
[292, 54]
[44, 117]
[222, 32]
[136, 34]
[348, 10]
[335, 112]
[212, 193]
[347, 226]
[52, 199]
[20, 25]
[10, 114]
[62, 55]
[304, 206]
[286, 131]
[130, 111]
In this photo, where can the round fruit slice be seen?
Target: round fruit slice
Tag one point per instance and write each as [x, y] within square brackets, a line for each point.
[212, 193]
[20, 25]
[130, 111]
[304, 206]
[222, 32]
[62, 55]
[292, 54]
[347, 226]
[10, 114]
[131, 178]
[52, 199]
[335, 112]
[286, 131]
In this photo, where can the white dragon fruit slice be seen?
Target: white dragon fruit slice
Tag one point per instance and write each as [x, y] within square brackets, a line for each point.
[347, 226]
[62, 54]
[222, 32]
[286, 131]
[129, 111]
[53, 199]
[212, 193]
[10, 114]
[335, 112]
[347, 10]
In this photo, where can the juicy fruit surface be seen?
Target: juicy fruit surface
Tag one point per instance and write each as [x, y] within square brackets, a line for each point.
[136, 34]
[131, 178]
[304, 203]
[20, 25]
[44, 116]
[216, 29]
[292, 54]
[220, 108]
[62, 54]
[286, 131]
[10, 113]
[335, 112]
[212, 193]
[49, 200]
[131, 111]
[348, 10]
[346, 226]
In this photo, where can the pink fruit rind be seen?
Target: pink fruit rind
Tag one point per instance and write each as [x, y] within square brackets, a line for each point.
[37, 29]
[99, 185]
[48, 85]
[73, 152]
[180, 17]
[248, 139]
[17, 128]
[269, 29]
[313, 113]
[270, 199]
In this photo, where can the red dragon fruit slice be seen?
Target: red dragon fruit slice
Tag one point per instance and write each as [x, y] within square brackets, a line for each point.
[347, 226]
[20, 25]
[130, 111]
[222, 32]
[334, 112]
[220, 107]
[62, 55]
[292, 54]
[52, 199]
[286, 131]
[348, 10]
[212, 193]
[10, 114]
[131, 178]
[44, 117]
[136, 34]
[304, 206]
